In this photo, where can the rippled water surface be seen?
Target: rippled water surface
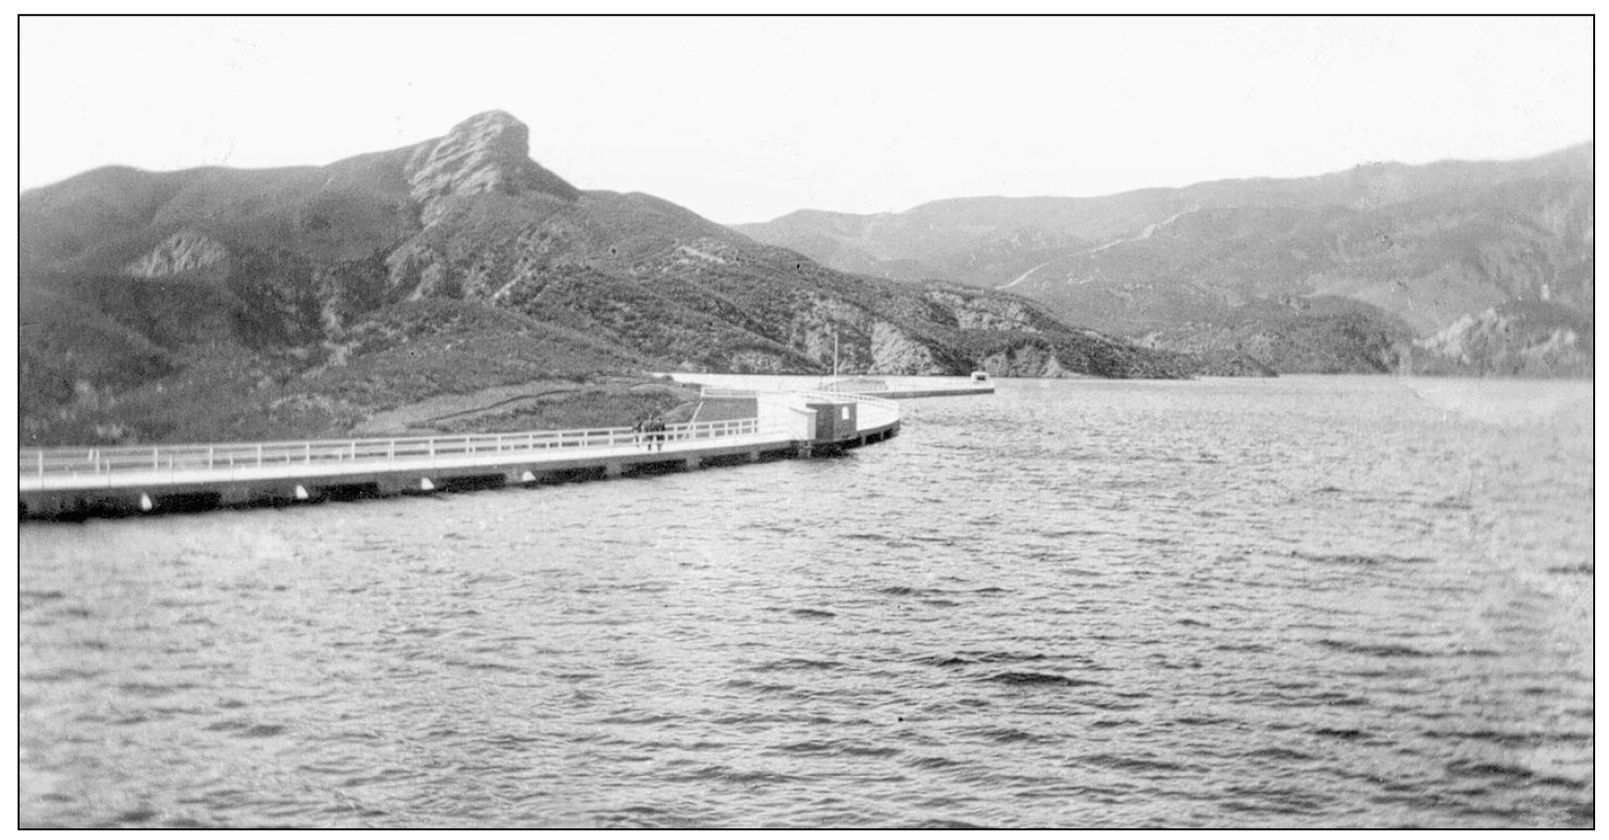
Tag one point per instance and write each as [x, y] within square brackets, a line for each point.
[1296, 602]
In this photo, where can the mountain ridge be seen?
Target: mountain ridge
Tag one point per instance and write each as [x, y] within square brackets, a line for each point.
[1425, 245]
[216, 303]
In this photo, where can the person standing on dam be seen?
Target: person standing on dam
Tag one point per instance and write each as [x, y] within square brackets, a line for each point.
[656, 433]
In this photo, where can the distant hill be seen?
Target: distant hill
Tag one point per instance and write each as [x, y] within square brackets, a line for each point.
[1418, 248]
[217, 303]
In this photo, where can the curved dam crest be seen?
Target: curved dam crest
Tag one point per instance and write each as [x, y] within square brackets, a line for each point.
[124, 480]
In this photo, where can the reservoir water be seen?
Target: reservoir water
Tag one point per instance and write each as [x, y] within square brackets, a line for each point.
[1301, 602]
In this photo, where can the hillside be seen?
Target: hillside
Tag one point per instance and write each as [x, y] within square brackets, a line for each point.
[217, 303]
[1416, 247]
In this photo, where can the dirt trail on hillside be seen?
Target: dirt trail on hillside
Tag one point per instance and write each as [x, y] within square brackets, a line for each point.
[1145, 233]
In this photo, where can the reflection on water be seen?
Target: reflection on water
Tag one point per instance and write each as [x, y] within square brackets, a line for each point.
[1299, 602]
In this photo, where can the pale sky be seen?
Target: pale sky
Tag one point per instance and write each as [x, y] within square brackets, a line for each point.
[746, 119]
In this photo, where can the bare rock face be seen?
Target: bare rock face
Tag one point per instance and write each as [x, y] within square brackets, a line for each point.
[184, 251]
[864, 342]
[897, 354]
[488, 152]
[1033, 360]
[820, 323]
[980, 313]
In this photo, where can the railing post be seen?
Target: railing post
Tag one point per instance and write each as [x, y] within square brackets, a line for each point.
[391, 450]
[209, 457]
[307, 453]
[41, 463]
[259, 454]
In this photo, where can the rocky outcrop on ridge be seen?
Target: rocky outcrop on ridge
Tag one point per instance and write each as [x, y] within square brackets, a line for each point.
[489, 152]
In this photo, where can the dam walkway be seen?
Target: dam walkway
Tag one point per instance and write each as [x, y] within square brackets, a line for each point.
[81, 481]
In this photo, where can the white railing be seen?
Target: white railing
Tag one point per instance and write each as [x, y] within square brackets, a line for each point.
[354, 454]
[854, 387]
[832, 396]
[838, 396]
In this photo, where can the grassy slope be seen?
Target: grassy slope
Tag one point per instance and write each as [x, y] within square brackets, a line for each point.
[407, 353]
[598, 405]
